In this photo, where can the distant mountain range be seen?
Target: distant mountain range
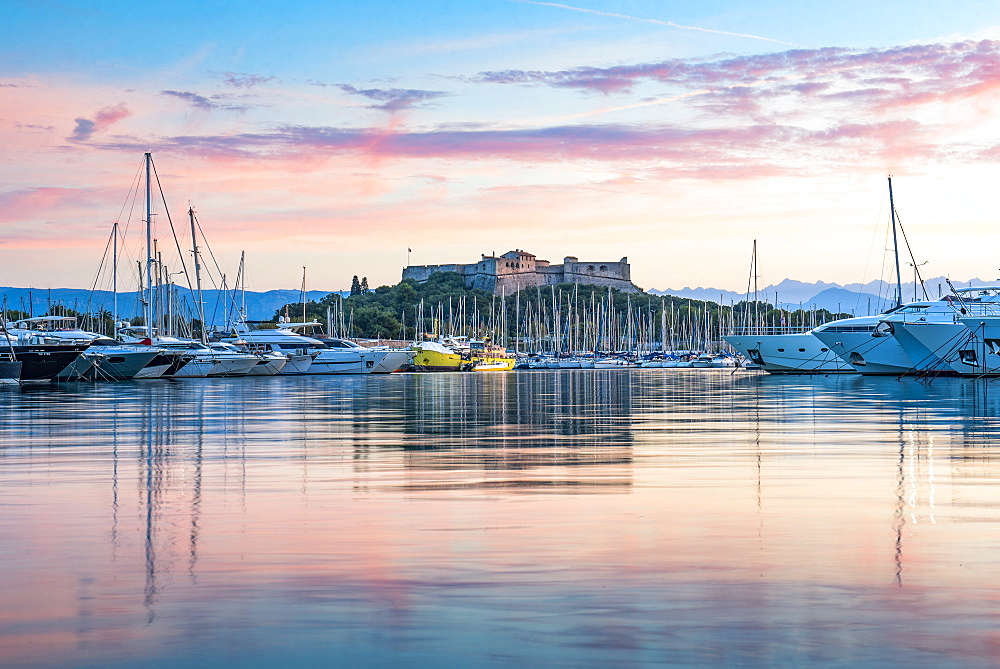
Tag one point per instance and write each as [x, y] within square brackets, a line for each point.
[860, 299]
[259, 306]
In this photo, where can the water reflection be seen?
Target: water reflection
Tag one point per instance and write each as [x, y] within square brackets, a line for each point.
[420, 518]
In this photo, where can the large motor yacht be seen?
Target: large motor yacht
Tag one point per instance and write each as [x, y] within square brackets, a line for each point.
[105, 359]
[202, 360]
[780, 351]
[295, 348]
[337, 356]
[951, 335]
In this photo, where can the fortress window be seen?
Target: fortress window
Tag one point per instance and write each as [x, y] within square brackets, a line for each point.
[604, 267]
[590, 268]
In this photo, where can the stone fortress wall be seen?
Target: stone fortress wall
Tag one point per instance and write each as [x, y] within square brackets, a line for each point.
[517, 270]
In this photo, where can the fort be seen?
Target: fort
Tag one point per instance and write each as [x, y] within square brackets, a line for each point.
[517, 270]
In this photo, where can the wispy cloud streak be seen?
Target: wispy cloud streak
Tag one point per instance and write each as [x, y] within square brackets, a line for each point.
[241, 80]
[935, 66]
[202, 102]
[393, 99]
[669, 24]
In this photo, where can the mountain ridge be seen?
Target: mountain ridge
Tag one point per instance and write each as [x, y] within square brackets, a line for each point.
[858, 298]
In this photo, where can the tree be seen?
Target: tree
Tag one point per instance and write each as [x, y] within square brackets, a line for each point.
[355, 286]
[364, 285]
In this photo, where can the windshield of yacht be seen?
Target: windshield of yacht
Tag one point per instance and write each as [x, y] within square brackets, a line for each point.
[46, 323]
[183, 345]
[254, 326]
[341, 343]
[105, 341]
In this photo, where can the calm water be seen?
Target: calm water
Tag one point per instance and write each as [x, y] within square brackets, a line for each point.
[573, 518]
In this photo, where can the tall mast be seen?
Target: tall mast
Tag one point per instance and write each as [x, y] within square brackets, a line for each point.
[243, 286]
[197, 276]
[303, 293]
[756, 291]
[149, 248]
[895, 249]
[114, 280]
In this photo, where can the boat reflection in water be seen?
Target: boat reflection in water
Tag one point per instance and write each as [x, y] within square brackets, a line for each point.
[581, 517]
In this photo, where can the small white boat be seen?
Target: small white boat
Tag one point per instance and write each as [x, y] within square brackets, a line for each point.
[612, 363]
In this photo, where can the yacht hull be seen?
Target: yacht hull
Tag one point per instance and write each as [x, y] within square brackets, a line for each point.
[109, 365]
[77, 369]
[43, 362]
[955, 347]
[800, 353]
[393, 361]
[869, 355]
[10, 372]
[268, 366]
[427, 360]
[297, 364]
[163, 364]
[232, 366]
[195, 368]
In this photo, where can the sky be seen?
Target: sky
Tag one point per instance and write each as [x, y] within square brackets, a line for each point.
[352, 138]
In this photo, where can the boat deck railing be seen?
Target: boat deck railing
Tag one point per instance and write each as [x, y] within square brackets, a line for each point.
[784, 330]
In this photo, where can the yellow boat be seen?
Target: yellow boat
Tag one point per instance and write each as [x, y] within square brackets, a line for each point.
[434, 356]
[455, 354]
[486, 358]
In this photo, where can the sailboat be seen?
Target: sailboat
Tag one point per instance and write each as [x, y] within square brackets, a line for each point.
[200, 359]
[782, 350]
[860, 344]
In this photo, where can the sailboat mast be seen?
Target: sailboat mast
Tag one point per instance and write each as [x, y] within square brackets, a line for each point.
[303, 293]
[243, 287]
[114, 279]
[895, 249]
[197, 276]
[149, 247]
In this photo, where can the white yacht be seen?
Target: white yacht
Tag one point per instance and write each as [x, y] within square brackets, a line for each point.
[947, 335]
[896, 345]
[294, 348]
[336, 356]
[867, 344]
[202, 360]
[392, 360]
[268, 363]
[786, 352]
[980, 355]
[933, 334]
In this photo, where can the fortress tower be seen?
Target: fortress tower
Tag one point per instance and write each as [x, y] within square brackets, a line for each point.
[517, 270]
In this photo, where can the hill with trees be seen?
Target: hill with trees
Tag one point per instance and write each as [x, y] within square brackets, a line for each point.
[577, 316]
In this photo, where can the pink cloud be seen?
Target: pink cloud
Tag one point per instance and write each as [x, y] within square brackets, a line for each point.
[25, 204]
[939, 67]
[104, 118]
[598, 143]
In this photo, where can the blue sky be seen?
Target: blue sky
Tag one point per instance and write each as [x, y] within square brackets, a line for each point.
[336, 135]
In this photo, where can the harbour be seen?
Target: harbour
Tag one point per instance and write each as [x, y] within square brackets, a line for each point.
[423, 335]
[573, 517]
